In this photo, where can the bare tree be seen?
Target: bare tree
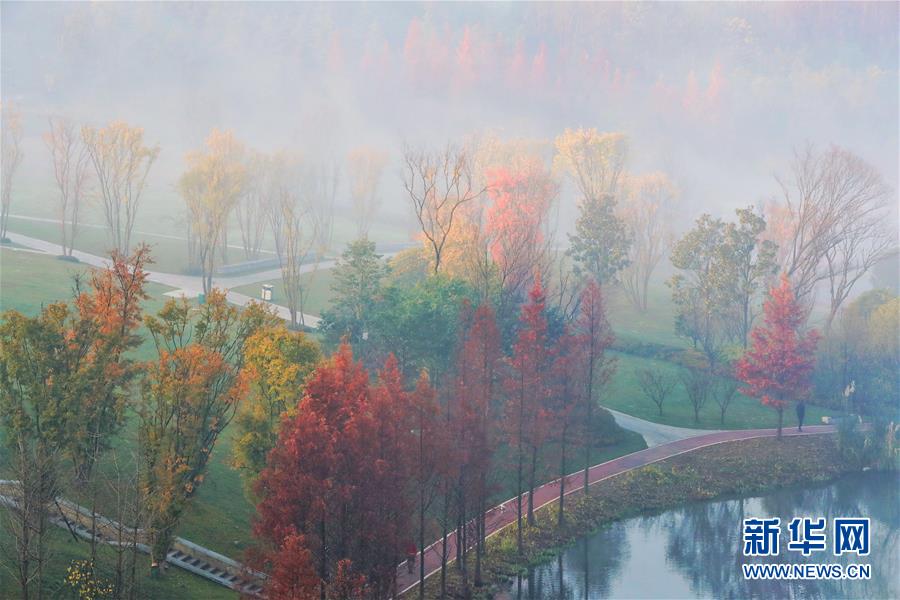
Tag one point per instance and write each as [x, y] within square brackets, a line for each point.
[438, 184]
[292, 189]
[364, 169]
[35, 464]
[121, 162]
[71, 168]
[320, 187]
[838, 222]
[122, 488]
[250, 208]
[656, 385]
[724, 392]
[696, 383]
[647, 212]
[11, 158]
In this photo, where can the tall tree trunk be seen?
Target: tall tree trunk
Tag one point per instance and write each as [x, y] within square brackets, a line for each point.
[531, 481]
[519, 503]
[562, 480]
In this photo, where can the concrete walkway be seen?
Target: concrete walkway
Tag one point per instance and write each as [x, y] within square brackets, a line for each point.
[504, 515]
[165, 236]
[656, 434]
[186, 285]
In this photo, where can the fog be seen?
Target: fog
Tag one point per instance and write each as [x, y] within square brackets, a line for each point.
[717, 95]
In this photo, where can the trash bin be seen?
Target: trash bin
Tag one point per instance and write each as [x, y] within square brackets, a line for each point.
[266, 293]
[201, 298]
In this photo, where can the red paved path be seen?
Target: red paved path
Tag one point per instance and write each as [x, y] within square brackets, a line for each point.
[504, 514]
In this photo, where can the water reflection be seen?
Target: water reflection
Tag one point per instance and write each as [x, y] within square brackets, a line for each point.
[695, 551]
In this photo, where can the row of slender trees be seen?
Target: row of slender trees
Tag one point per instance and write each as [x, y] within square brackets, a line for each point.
[360, 470]
[489, 204]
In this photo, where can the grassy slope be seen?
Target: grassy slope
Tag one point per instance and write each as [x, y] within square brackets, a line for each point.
[319, 296]
[220, 515]
[624, 394]
[63, 549]
[656, 325]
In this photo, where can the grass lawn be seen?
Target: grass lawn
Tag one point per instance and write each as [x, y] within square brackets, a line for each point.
[625, 395]
[169, 255]
[63, 549]
[319, 296]
[29, 280]
[657, 325]
[220, 514]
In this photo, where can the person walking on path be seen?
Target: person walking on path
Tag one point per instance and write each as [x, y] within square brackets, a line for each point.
[801, 412]
[411, 551]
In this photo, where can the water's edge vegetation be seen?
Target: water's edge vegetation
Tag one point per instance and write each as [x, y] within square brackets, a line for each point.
[764, 464]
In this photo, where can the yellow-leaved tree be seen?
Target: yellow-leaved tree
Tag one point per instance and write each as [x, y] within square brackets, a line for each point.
[211, 187]
[121, 162]
[594, 160]
[277, 361]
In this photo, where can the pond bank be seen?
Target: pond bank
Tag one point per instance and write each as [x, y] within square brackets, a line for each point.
[732, 468]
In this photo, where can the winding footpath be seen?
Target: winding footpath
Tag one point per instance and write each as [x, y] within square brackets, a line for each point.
[663, 441]
[504, 515]
[186, 285]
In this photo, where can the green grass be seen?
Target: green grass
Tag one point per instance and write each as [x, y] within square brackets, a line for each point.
[220, 515]
[319, 296]
[169, 255]
[63, 549]
[657, 325]
[624, 394]
[29, 280]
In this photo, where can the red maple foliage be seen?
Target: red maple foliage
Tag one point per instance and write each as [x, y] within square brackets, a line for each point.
[521, 196]
[476, 391]
[340, 476]
[529, 389]
[293, 576]
[777, 366]
[596, 336]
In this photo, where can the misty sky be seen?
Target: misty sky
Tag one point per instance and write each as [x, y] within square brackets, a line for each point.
[715, 94]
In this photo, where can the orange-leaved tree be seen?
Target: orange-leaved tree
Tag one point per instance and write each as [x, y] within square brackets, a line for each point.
[516, 225]
[777, 366]
[189, 395]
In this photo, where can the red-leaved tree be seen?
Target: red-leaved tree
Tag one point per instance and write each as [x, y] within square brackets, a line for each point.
[597, 368]
[476, 391]
[339, 476]
[516, 222]
[529, 389]
[777, 366]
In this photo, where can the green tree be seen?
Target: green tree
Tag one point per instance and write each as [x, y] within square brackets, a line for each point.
[723, 268]
[35, 419]
[357, 283]
[419, 325]
[600, 243]
[699, 291]
[748, 262]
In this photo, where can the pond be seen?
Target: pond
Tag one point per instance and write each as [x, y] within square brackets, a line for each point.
[696, 552]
